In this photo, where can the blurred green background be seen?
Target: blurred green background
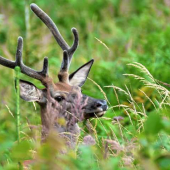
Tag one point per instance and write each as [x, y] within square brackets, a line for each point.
[133, 31]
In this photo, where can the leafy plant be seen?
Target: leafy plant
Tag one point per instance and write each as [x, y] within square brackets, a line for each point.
[134, 133]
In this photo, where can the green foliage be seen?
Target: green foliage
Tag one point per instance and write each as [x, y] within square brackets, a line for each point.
[134, 31]
[21, 151]
[153, 125]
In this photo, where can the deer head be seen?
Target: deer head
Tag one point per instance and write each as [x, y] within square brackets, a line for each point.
[64, 98]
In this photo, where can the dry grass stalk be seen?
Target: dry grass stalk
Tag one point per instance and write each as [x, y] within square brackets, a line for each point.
[103, 44]
[104, 94]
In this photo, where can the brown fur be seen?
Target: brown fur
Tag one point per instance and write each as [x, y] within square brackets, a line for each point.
[63, 77]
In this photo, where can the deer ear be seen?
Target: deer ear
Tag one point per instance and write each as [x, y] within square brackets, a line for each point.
[79, 77]
[29, 92]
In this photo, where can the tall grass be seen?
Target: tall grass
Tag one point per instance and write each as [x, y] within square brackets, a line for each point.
[18, 124]
[134, 133]
[130, 139]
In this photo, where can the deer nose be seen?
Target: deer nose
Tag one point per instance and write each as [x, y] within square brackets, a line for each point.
[101, 104]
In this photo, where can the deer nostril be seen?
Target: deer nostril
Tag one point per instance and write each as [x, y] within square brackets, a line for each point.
[98, 104]
[101, 104]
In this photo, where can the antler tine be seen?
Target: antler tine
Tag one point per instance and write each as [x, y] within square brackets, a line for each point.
[24, 69]
[56, 33]
[27, 70]
[35, 74]
[75, 43]
[45, 67]
[18, 55]
[63, 75]
[17, 62]
[51, 25]
[65, 62]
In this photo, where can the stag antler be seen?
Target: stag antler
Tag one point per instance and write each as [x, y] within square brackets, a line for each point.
[67, 54]
[24, 69]
[53, 28]
[67, 50]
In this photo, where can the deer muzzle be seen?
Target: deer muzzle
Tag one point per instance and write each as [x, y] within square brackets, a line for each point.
[94, 107]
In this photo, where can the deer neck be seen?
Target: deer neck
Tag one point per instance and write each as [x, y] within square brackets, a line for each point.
[50, 122]
[45, 121]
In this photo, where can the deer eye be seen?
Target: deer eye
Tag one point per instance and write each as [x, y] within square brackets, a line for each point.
[59, 98]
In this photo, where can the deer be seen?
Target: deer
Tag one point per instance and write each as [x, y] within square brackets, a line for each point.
[62, 99]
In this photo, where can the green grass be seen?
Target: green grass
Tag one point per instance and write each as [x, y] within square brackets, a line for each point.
[134, 32]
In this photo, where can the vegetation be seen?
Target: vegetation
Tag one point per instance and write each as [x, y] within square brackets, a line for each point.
[129, 41]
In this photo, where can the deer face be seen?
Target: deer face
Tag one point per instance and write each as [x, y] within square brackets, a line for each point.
[65, 94]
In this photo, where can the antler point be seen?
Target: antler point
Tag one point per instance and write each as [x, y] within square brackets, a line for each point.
[73, 29]
[20, 38]
[32, 5]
